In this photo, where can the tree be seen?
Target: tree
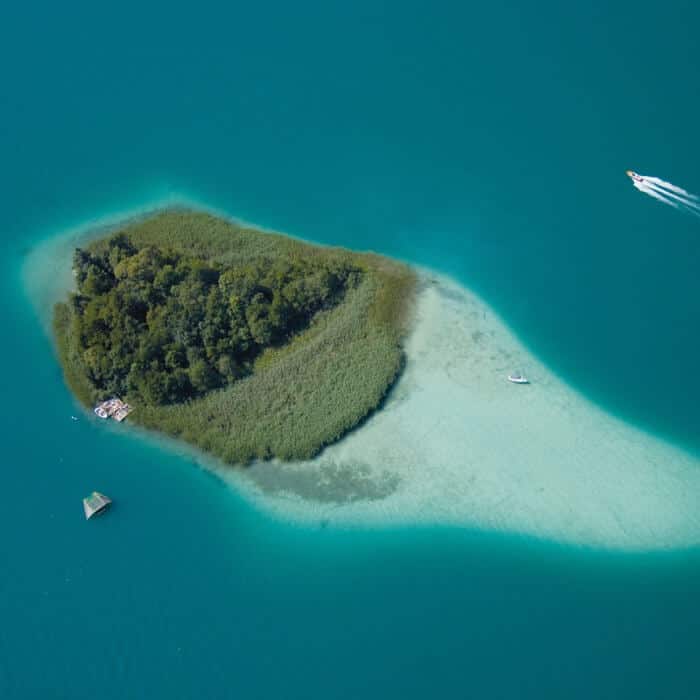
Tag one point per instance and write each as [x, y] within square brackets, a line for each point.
[203, 377]
[168, 326]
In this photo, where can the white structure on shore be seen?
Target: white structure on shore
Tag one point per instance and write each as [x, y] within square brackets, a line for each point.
[113, 408]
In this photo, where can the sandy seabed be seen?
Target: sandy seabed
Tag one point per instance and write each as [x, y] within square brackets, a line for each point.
[457, 444]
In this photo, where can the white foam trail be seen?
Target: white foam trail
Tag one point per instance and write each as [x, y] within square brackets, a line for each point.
[675, 197]
[668, 186]
[683, 201]
[653, 193]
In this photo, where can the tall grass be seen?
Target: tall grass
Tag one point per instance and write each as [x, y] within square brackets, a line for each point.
[301, 396]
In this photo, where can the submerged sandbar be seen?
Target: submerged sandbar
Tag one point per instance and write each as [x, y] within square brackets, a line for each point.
[458, 444]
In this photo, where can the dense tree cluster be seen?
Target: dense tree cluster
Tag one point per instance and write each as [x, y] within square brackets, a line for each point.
[163, 327]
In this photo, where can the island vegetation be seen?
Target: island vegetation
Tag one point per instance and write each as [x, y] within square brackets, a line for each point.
[248, 344]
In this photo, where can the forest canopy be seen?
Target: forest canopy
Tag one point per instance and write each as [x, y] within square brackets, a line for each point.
[246, 344]
[163, 327]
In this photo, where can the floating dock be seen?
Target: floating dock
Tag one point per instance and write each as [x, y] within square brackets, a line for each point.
[95, 503]
[113, 408]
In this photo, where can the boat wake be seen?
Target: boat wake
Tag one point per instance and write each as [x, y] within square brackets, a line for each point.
[667, 193]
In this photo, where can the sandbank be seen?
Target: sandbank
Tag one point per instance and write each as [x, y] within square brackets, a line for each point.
[458, 444]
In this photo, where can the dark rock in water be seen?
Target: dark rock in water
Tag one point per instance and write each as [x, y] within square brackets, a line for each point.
[326, 482]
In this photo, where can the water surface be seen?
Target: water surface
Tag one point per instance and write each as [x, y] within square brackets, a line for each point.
[486, 141]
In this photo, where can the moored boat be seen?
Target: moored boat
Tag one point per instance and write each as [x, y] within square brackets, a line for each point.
[518, 378]
[95, 504]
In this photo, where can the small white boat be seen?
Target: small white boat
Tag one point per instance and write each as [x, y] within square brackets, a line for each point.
[74, 417]
[518, 378]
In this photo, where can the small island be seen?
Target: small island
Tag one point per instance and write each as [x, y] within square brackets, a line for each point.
[247, 344]
[252, 346]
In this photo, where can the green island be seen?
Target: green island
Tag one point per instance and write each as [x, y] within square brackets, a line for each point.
[249, 345]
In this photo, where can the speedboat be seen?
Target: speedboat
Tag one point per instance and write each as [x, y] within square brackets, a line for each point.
[635, 176]
[518, 378]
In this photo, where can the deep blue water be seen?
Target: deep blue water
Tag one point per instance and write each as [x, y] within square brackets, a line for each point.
[486, 140]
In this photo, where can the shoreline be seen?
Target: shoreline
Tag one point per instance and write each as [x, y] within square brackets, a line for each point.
[53, 252]
[456, 444]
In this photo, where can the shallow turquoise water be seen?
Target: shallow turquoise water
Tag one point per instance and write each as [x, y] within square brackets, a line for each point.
[489, 143]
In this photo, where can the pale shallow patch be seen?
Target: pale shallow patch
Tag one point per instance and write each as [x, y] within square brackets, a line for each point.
[458, 444]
